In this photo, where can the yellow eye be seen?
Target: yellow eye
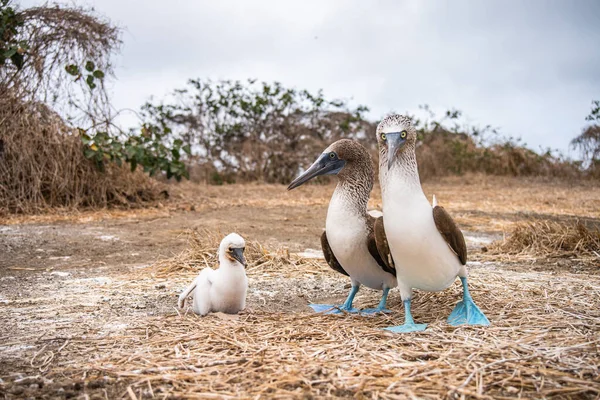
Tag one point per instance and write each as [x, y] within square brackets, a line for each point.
[332, 155]
[383, 137]
[403, 134]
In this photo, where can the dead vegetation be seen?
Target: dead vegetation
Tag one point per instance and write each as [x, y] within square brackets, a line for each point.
[550, 240]
[202, 253]
[42, 164]
[445, 153]
[542, 342]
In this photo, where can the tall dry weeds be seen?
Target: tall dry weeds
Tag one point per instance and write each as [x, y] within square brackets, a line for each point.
[42, 165]
[41, 156]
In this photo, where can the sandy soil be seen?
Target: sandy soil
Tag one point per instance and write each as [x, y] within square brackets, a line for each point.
[70, 275]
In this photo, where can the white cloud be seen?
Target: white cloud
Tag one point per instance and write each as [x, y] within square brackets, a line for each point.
[527, 67]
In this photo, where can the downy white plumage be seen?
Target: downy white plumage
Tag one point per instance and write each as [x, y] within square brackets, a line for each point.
[224, 289]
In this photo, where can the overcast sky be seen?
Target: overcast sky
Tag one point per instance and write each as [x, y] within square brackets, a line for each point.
[529, 67]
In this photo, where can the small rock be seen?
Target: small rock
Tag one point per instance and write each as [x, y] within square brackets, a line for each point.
[160, 286]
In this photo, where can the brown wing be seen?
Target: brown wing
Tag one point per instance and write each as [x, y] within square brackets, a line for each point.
[330, 257]
[378, 245]
[449, 230]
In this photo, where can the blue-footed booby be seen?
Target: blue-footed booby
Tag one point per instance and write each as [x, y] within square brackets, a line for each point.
[428, 247]
[223, 289]
[354, 241]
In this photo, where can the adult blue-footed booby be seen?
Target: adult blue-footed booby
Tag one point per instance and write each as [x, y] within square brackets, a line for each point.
[224, 289]
[428, 248]
[353, 242]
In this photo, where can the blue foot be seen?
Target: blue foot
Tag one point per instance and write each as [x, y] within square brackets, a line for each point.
[381, 307]
[332, 309]
[407, 327]
[409, 324]
[466, 312]
[375, 311]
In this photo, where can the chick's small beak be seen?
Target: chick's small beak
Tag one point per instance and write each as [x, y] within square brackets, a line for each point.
[394, 143]
[238, 254]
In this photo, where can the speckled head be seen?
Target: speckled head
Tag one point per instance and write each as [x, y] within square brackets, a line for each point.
[395, 134]
[346, 158]
[351, 152]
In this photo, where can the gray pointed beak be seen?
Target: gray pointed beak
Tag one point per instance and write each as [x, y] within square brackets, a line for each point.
[323, 166]
[238, 254]
[394, 143]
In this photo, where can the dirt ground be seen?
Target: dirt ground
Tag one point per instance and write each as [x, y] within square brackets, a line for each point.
[67, 279]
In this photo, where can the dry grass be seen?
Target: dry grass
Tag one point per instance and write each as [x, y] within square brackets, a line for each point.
[543, 341]
[477, 202]
[551, 239]
[43, 166]
[202, 253]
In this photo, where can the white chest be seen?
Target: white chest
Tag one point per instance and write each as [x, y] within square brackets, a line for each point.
[422, 256]
[347, 236]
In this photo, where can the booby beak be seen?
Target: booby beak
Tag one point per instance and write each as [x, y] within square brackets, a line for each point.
[394, 143]
[325, 165]
[238, 254]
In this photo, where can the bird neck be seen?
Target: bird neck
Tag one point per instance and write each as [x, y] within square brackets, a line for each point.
[355, 185]
[404, 170]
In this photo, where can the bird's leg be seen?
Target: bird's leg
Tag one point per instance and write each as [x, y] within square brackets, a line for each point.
[347, 306]
[381, 306]
[333, 309]
[466, 312]
[409, 323]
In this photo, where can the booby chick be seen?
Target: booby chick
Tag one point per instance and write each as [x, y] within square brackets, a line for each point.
[354, 241]
[432, 246]
[224, 289]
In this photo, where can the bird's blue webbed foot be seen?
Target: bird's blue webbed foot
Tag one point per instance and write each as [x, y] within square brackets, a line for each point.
[335, 309]
[332, 309]
[381, 307]
[409, 324]
[466, 312]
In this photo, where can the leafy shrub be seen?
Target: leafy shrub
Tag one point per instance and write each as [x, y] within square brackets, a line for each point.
[10, 47]
[254, 131]
[148, 150]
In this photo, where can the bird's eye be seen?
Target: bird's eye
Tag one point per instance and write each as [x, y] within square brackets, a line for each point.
[403, 134]
[230, 249]
[332, 155]
[383, 136]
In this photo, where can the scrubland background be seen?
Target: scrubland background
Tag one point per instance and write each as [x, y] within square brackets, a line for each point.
[102, 228]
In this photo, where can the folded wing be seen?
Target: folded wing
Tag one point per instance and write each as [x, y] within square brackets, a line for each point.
[330, 257]
[378, 245]
[450, 232]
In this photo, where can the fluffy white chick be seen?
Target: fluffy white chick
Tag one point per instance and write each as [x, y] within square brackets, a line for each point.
[222, 290]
